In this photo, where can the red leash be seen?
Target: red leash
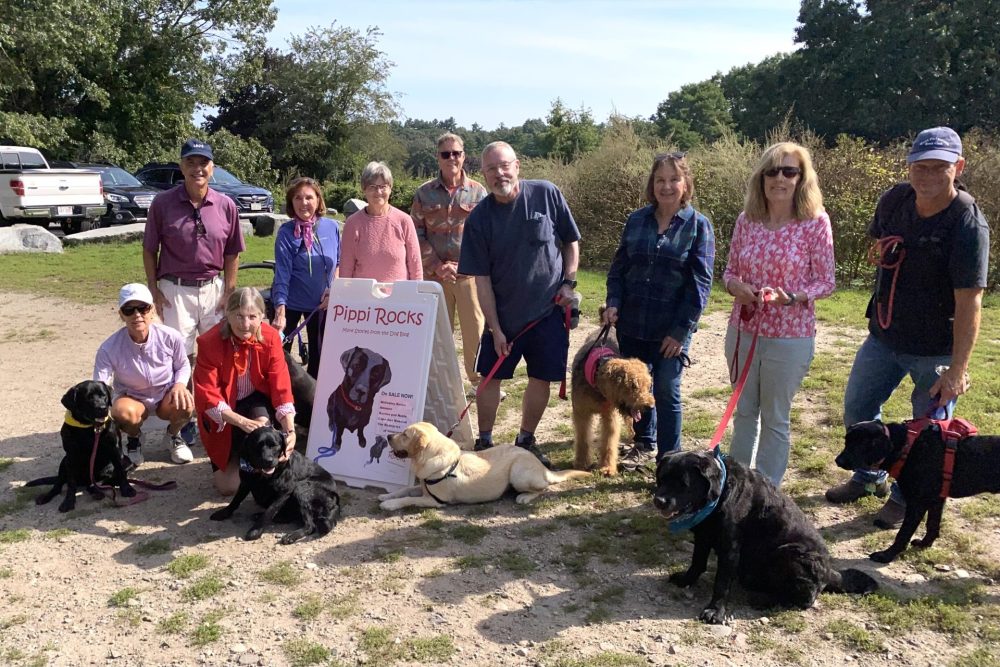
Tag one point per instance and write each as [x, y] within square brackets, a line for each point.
[139, 496]
[877, 255]
[746, 313]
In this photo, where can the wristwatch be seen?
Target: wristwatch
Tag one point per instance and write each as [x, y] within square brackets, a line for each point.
[567, 281]
[791, 299]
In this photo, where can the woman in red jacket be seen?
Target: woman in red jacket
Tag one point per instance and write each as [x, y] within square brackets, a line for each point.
[240, 384]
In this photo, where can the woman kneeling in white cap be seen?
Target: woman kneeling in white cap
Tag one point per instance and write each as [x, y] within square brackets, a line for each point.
[150, 371]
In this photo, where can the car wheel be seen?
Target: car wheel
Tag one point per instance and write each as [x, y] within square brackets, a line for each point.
[89, 223]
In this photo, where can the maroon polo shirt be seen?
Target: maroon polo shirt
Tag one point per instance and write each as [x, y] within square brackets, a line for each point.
[171, 232]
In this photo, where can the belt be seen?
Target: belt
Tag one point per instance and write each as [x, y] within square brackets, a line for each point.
[189, 282]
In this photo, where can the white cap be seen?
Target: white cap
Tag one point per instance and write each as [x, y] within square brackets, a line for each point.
[134, 292]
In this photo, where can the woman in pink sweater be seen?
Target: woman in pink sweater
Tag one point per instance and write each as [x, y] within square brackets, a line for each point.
[379, 241]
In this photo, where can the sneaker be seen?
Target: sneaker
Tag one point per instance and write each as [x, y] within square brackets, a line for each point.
[637, 458]
[531, 445]
[891, 515]
[481, 445]
[471, 394]
[133, 453]
[503, 396]
[852, 490]
[179, 451]
[189, 432]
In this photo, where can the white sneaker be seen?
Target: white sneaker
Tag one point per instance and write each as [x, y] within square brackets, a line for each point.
[179, 451]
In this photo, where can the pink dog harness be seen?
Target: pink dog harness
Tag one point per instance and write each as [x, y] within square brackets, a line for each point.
[593, 360]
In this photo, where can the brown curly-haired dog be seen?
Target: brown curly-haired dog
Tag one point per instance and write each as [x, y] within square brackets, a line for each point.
[620, 386]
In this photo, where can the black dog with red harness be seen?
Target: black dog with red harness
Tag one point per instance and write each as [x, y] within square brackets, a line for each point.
[932, 460]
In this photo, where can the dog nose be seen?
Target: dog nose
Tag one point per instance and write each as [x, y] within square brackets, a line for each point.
[660, 502]
[843, 463]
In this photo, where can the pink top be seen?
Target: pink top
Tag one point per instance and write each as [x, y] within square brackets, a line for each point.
[797, 258]
[383, 247]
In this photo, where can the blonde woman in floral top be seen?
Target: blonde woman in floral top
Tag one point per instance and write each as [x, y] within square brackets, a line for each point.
[782, 248]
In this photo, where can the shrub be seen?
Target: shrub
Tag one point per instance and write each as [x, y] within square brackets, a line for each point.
[336, 193]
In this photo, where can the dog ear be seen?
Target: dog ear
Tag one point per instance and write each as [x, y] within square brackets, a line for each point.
[385, 377]
[345, 358]
[69, 398]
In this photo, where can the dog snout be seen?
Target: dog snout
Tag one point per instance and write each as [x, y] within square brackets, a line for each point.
[662, 502]
[844, 461]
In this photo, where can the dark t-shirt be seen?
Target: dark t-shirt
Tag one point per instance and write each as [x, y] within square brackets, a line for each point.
[945, 252]
[519, 245]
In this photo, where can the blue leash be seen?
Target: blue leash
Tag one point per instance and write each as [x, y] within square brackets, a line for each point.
[692, 519]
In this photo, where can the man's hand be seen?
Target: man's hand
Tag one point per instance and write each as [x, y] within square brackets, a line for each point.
[950, 385]
[564, 296]
[159, 300]
[226, 293]
[500, 344]
[447, 272]
[179, 397]
[610, 316]
[670, 348]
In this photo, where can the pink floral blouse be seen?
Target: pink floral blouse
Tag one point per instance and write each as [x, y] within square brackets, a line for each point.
[798, 258]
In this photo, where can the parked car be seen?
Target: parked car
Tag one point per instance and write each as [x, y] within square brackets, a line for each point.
[249, 198]
[127, 198]
[30, 191]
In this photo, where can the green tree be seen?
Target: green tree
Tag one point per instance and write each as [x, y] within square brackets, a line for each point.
[698, 112]
[569, 134]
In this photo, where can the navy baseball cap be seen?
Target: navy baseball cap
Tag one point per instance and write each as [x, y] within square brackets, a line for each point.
[196, 147]
[937, 143]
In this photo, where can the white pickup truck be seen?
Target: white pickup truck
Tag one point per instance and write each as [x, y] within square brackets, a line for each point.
[32, 192]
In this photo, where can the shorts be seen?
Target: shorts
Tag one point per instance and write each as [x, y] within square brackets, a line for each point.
[545, 348]
[193, 310]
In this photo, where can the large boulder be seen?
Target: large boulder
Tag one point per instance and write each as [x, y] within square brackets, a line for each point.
[28, 238]
[113, 234]
[352, 206]
[264, 224]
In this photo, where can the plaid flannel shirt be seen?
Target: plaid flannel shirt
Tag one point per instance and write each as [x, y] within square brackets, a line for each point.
[439, 217]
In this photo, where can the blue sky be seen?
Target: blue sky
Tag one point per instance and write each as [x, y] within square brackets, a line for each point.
[505, 61]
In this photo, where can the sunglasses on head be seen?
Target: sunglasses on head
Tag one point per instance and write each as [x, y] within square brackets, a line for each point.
[787, 172]
[451, 154]
[129, 311]
[199, 226]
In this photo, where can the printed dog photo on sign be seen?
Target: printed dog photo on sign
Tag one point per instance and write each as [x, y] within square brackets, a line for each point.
[350, 405]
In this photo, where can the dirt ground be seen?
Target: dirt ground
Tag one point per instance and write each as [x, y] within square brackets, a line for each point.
[578, 579]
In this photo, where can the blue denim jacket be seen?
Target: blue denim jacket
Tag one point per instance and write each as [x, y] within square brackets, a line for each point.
[660, 283]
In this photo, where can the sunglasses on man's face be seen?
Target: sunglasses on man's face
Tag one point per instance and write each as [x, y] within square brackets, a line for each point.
[199, 226]
[129, 311]
[787, 172]
[451, 154]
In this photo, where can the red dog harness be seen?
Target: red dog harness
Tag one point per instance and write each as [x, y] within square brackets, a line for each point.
[952, 431]
[593, 361]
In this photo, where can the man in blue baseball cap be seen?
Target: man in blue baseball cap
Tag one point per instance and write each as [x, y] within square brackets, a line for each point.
[923, 317]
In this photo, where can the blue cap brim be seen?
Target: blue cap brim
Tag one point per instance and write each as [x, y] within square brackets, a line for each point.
[947, 156]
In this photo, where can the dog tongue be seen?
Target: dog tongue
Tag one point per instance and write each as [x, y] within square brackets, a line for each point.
[636, 415]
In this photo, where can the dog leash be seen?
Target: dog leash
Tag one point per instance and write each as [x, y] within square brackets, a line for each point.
[140, 496]
[302, 325]
[877, 255]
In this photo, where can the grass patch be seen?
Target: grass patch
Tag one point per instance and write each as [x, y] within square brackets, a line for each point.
[203, 588]
[184, 566]
[379, 645]
[57, 533]
[5, 463]
[343, 606]
[123, 597]
[173, 624]
[516, 562]
[438, 648]
[282, 574]
[153, 547]
[853, 636]
[15, 535]
[208, 630]
[6, 573]
[602, 659]
[309, 608]
[302, 652]
[12, 621]
[469, 533]
[980, 657]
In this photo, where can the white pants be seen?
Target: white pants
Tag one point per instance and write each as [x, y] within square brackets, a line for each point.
[193, 310]
[761, 433]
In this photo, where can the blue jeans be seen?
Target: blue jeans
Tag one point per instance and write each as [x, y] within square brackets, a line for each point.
[876, 373]
[660, 427]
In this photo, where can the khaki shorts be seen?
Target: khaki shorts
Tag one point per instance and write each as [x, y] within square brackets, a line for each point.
[193, 310]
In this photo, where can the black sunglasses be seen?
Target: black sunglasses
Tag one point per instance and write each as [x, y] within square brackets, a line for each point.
[199, 226]
[447, 154]
[787, 172]
[129, 311]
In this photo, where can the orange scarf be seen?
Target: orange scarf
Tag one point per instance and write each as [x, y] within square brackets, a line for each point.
[241, 353]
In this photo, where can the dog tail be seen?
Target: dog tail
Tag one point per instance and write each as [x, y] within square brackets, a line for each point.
[565, 475]
[42, 481]
[851, 581]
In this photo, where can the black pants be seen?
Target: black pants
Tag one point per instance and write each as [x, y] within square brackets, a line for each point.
[313, 329]
[254, 406]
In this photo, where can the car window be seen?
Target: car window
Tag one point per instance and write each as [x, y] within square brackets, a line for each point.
[9, 160]
[116, 176]
[176, 177]
[31, 160]
[222, 177]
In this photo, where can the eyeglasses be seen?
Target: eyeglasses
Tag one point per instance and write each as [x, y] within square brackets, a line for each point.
[451, 154]
[199, 226]
[497, 168]
[787, 172]
[129, 311]
[385, 187]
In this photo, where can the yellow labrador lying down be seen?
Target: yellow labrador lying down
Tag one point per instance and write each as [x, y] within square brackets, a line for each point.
[450, 475]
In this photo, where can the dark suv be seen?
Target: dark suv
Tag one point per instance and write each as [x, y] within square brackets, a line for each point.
[249, 198]
[128, 200]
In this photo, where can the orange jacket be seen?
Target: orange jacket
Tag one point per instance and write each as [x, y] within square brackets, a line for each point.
[215, 382]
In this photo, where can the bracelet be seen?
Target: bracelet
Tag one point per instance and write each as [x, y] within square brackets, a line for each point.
[791, 299]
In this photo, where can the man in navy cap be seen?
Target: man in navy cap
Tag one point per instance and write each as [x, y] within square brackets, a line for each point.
[923, 317]
[191, 251]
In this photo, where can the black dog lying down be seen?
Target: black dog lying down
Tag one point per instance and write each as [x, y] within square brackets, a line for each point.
[294, 490]
[874, 445]
[758, 534]
[88, 407]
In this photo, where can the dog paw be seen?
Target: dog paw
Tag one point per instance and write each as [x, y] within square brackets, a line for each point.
[67, 507]
[289, 539]
[384, 496]
[608, 471]
[253, 534]
[714, 616]
[680, 579]
[882, 556]
[42, 499]
[221, 515]
[922, 543]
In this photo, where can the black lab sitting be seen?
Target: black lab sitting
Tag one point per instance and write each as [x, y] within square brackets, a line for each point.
[293, 490]
[350, 404]
[88, 412]
[877, 446]
[758, 534]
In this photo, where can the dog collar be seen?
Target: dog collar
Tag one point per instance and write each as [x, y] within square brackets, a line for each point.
[593, 361]
[431, 482]
[692, 519]
[351, 404]
[76, 423]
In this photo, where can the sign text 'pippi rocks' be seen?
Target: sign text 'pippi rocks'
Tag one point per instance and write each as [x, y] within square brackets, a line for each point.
[376, 315]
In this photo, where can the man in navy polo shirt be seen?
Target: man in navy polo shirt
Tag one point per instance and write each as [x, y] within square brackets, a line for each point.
[191, 251]
[923, 320]
[522, 245]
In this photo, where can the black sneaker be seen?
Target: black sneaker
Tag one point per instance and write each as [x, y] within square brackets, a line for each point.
[532, 446]
[482, 445]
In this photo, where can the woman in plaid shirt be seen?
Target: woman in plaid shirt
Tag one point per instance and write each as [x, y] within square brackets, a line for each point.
[658, 286]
